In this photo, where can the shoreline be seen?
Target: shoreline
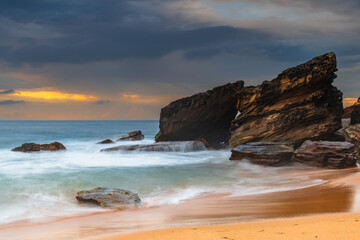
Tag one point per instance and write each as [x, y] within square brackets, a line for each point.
[334, 196]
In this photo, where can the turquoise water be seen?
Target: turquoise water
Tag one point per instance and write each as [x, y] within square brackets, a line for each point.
[34, 185]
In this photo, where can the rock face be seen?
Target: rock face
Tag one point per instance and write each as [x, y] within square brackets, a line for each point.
[355, 116]
[106, 141]
[300, 104]
[352, 134]
[264, 153]
[185, 146]
[107, 197]
[327, 154]
[132, 136]
[205, 115]
[34, 147]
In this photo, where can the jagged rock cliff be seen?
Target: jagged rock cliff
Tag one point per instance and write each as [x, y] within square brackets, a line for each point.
[205, 115]
[300, 104]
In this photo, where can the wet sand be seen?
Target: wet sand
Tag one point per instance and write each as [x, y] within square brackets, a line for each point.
[339, 195]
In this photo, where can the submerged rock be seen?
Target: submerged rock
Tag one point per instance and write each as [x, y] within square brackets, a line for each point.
[107, 197]
[300, 104]
[34, 147]
[132, 136]
[264, 153]
[185, 146]
[106, 141]
[327, 154]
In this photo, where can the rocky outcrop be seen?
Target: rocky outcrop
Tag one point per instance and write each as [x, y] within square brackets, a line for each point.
[327, 154]
[107, 197]
[352, 134]
[132, 136]
[185, 146]
[106, 141]
[264, 153]
[205, 115]
[34, 147]
[300, 104]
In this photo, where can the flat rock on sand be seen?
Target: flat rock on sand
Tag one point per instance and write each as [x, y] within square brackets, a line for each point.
[327, 154]
[108, 197]
[264, 153]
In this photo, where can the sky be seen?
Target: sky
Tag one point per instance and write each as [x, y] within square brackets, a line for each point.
[126, 59]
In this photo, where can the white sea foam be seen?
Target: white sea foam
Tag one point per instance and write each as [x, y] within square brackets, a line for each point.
[44, 184]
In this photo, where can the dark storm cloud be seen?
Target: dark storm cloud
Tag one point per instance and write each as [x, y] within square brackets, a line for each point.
[7, 91]
[88, 31]
[10, 102]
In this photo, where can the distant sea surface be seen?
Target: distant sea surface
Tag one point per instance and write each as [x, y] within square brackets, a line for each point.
[43, 184]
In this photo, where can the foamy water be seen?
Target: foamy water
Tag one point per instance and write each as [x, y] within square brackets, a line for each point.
[34, 185]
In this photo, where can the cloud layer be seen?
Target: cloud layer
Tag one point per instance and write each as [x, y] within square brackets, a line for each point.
[160, 50]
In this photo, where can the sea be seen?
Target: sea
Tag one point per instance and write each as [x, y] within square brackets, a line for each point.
[44, 184]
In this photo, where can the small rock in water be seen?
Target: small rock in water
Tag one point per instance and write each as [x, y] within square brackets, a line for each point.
[327, 154]
[264, 153]
[34, 147]
[185, 146]
[108, 197]
[106, 141]
[132, 136]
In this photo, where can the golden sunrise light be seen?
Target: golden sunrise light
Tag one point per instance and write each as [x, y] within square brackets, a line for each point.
[349, 101]
[55, 95]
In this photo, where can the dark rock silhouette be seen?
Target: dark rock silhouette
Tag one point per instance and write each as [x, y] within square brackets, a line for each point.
[264, 153]
[327, 154]
[107, 197]
[355, 116]
[34, 147]
[204, 115]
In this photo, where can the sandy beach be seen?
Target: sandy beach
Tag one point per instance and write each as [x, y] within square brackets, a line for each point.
[328, 227]
[246, 215]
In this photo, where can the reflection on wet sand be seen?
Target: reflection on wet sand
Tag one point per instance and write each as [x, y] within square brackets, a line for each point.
[332, 197]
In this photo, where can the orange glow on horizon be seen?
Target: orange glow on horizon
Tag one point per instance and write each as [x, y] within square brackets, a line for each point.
[349, 101]
[54, 95]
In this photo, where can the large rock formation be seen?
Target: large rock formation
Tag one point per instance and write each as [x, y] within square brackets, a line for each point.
[300, 104]
[205, 115]
[327, 154]
[107, 197]
[264, 153]
[185, 146]
[34, 147]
